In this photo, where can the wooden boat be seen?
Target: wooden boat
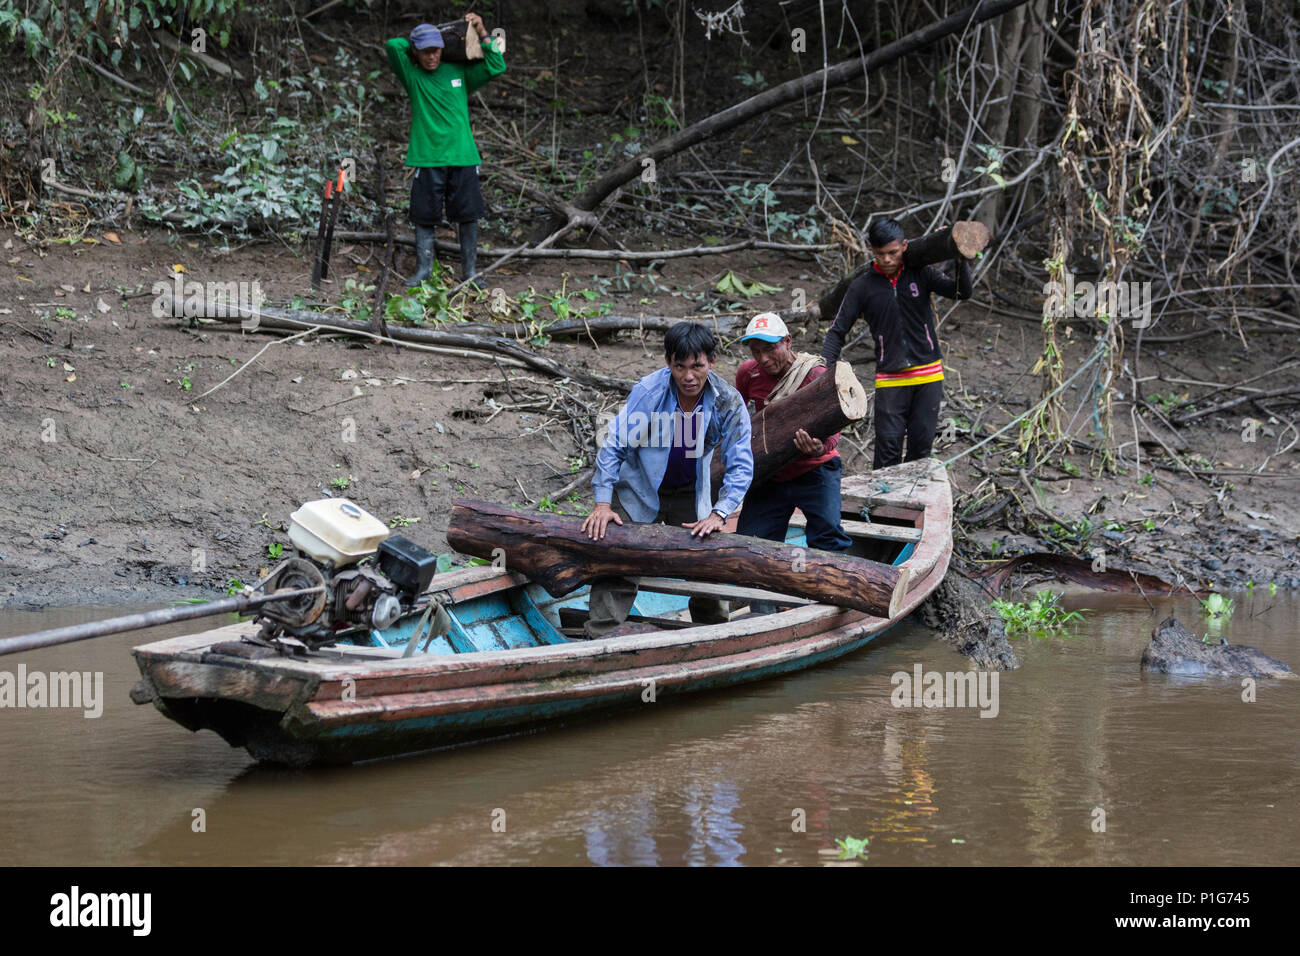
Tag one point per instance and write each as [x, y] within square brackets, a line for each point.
[507, 666]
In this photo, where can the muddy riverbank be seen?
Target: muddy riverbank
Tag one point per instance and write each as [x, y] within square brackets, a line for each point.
[125, 482]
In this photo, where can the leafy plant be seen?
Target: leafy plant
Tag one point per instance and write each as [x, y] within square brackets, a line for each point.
[852, 848]
[1168, 402]
[275, 550]
[993, 166]
[1043, 613]
[731, 284]
[1217, 608]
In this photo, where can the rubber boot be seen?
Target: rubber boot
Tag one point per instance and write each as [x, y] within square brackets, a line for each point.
[468, 233]
[424, 255]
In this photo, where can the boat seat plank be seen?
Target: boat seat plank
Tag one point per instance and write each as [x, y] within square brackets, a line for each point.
[868, 529]
[705, 589]
[575, 617]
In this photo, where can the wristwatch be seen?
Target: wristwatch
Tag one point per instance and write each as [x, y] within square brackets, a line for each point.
[720, 513]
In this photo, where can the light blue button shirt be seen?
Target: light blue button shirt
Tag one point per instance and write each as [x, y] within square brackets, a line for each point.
[634, 455]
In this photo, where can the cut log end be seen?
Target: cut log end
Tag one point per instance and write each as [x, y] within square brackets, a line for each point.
[899, 597]
[853, 397]
[970, 238]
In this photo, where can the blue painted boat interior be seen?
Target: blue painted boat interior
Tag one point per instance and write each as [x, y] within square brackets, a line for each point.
[529, 617]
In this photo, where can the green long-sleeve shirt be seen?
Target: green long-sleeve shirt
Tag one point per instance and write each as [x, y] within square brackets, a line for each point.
[440, 131]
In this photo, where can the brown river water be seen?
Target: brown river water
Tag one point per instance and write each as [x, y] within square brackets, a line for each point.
[1179, 771]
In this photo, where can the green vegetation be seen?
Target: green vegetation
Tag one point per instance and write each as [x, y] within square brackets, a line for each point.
[1168, 403]
[730, 284]
[852, 848]
[1217, 608]
[275, 550]
[447, 562]
[431, 303]
[1043, 613]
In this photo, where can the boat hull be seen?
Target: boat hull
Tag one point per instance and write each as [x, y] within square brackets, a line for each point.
[347, 705]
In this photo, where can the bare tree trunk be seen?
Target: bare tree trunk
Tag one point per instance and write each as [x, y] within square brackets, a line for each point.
[1007, 40]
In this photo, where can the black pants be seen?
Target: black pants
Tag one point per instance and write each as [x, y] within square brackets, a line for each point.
[906, 410]
[454, 189]
[816, 493]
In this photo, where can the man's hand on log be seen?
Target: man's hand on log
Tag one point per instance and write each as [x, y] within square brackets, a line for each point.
[593, 526]
[476, 22]
[808, 446]
[706, 526]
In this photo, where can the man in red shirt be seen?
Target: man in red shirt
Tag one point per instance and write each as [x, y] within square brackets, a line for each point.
[811, 482]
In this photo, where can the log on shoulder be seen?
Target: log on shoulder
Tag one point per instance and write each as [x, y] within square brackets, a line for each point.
[962, 239]
[553, 551]
[965, 239]
[823, 408]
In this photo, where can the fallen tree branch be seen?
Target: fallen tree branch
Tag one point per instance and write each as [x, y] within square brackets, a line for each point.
[812, 83]
[212, 63]
[1232, 403]
[602, 323]
[291, 319]
[109, 74]
[524, 252]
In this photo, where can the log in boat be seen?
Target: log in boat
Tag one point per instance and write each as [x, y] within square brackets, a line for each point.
[513, 658]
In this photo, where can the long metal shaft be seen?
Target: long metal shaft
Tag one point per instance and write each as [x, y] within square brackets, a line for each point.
[132, 622]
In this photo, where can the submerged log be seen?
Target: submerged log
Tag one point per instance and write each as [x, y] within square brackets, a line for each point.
[825, 407]
[1176, 650]
[965, 239]
[553, 551]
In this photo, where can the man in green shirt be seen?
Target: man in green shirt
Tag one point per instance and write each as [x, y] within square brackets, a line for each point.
[442, 146]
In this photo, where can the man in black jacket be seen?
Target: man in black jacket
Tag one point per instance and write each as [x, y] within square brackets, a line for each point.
[909, 371]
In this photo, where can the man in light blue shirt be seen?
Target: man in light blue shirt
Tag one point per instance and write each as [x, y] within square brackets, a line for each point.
[656, 459]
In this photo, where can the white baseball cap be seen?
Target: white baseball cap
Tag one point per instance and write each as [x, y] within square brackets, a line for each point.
[767, 327]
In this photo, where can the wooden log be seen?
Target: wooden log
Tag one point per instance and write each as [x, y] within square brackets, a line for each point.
[823, 408]
[460, 43]
[553, 551]
[213, 64]
[966, 239]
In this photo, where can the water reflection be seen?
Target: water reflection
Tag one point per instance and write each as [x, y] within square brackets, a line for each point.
[766, 774]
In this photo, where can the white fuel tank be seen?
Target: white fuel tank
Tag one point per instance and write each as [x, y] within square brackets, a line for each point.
[336, 531]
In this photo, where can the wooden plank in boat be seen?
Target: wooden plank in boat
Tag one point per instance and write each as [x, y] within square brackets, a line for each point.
[571, 617]
[704, 589]
[867, 529]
